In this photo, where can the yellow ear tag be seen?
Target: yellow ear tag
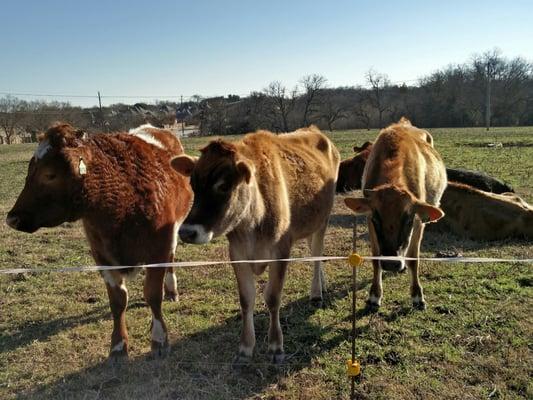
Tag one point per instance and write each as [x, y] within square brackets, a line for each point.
[82, 167]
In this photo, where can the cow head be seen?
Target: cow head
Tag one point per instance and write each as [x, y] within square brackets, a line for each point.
[51, 194]
[221, 182]
[392, 214]
[351, 170]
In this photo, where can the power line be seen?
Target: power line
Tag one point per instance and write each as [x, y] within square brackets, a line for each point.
[156, 97]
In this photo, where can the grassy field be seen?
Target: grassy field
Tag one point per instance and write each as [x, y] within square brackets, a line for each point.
[473, 342]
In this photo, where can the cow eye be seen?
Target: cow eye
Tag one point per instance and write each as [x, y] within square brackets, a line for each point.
[223, 187]
[50, 176]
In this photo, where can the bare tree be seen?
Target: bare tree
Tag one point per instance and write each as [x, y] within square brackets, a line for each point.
[377, 93]
[12, 114]
[489, 65]
[363, 112]
[282, 103]
[331, 111]
[312, 85]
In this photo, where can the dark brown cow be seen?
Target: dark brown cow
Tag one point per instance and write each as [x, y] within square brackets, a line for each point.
[403, 181]
[264, 192]
[351, 170]
[131, 203]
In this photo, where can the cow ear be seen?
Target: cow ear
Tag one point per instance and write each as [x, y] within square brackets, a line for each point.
[245, 170]
[184, 164]
[359, 205]
[428, 213]
[80, 134]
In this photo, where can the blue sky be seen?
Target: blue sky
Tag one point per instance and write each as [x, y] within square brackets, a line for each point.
[171, 48]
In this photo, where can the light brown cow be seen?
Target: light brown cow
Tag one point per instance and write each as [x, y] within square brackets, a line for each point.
[403, 182]
[351, 174]
[485, 216]
[264, 192]
[131, 203]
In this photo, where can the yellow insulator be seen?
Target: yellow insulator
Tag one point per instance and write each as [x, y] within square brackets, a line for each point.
[353, 368]
[355, 260]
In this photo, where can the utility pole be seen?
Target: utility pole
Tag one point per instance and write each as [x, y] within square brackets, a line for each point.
[182, 119]
[487, 99]
[101, 112]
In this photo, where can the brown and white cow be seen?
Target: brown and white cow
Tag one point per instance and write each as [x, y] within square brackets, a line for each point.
[131, 202]
[482, 215]
[264, 192]
[403, 181]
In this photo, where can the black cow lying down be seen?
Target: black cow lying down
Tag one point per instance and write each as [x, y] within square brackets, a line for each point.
[478, 180]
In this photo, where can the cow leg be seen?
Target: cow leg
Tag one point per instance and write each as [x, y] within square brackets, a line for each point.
[246, 285]
[318, 284]
[376, 289]
[118, 301]
[417, 295]
[153, 294]
[273, 289]
[171, 285]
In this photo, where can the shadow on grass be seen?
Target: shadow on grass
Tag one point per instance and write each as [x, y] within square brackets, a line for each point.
[199, 365]
[41, 330]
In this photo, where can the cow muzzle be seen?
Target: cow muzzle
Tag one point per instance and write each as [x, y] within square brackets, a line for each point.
[195, 234]
[392, 266]
[20, 223]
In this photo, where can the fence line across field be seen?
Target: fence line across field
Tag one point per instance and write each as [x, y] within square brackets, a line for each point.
[186, 264]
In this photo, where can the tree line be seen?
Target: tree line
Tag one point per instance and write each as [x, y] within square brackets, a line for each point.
[488, 90]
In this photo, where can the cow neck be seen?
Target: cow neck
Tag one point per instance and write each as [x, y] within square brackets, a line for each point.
[253, 217]
[108, 196]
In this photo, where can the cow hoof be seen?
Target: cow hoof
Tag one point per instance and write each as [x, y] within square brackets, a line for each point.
[317, 302]
[160, 350]
[277, 357]
[372, 306]
[419, 305]
[172, 296]
[240, 362]
[118, 357]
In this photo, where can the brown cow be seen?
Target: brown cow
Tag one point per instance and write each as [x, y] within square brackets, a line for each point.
[131, 203]
[403, 182]
[264, 192]
[351, 170]
[485, 216]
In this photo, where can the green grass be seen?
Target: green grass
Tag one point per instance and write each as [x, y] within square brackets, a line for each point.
[474, 340]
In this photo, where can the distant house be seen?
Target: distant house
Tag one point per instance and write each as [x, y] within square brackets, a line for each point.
[183, 112]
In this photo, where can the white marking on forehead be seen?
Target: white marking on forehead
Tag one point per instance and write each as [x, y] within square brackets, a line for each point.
[142, 134]
[43, 148]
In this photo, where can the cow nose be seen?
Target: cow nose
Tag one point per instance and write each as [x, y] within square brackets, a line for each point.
[12, 221]
[188, 234]
[392, 265]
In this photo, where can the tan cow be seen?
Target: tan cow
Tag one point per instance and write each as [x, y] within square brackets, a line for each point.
[131, 203]
[403, 181]
[485, 216]
[264, 192]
